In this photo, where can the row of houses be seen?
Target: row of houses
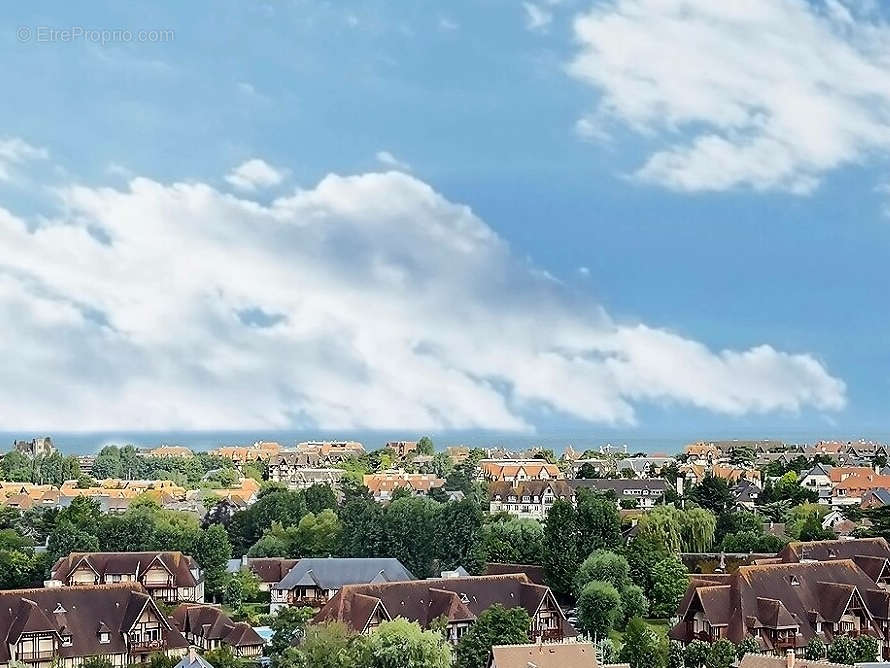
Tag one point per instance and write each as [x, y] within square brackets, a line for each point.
[839, 486]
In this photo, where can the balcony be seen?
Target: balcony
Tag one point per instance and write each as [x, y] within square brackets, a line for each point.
[42, 655]
[547, 635]
[310, 601]
[140, 646]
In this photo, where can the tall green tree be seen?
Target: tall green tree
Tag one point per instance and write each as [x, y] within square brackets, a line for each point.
[330, 645]
[669, 581]
[213, 552]
[603, 565]
[598, 521]
[403, 644]
[599, 608]
[513, 541]
[495, 626]
[287, 626]
[561, 548]
[641, 648]
[410, 533]
[460, 536]
[722, 654]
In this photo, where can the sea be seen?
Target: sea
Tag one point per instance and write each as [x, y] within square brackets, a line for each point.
[82, 443]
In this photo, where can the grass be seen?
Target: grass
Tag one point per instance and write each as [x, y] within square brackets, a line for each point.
[660, 626]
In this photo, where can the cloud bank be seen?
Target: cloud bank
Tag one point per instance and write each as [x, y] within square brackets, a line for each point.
[763, 94]
[367, 301]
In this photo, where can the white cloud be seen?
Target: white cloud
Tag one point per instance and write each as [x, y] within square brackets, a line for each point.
[448, 24]
[15, 151]
[388, 159]
[765, 94]
[255, 174]
[584, 271]
[367, 301]
[536, 17]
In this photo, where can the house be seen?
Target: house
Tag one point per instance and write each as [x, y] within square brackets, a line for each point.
[827, 550]
[518, 470]
[69, 624]
[784, 606]
[332, 450]
[401, 448]
[168, 576]
[313, 582]
[702, 452]
[193, 660]
[528, 499]
[287, 469]
[269, 570]
[733, 474]
[534, 573]
[788, 660]
[818, 479]
[570, 655]
[36, 447]
[854, 487]
[646, 493]
[166, 451]
[875, 498]
[382, 485]
[455, 602]
[458, 453]
[643, 467]
[745, 494]
[209, 628]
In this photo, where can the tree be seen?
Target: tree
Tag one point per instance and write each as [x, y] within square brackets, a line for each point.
[865, 648]
[459, 530]
[241, 586]
[712, 493]
[361, 521]
[319, 497]
[330, 645]
[815, 651]
[812, 530]
[560, 548]
[403, 644]
[495, 626]
[606, 652]
[696, 654]
[425, 446]
[287, 625]
[158, 660]
[602, 565]
[410, 533]
[749, 645]
[675, 655]
[223, 657]
[642, 554]
[641, 646]
[598, 523]
[599, 608]
[513, 541]
[842, 650]
[316, 535]
[633, 602]
[213, 552]
[669, 582]
[721, 655]
[98, 662]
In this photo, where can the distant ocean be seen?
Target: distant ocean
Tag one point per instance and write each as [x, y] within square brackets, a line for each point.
[88, 443]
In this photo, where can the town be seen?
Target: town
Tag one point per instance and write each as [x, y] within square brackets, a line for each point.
[757, 554]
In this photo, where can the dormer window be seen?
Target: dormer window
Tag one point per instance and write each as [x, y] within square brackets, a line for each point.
[104, 637]
[795, 581]
[59, 610]
[464, 598]
[66, 640]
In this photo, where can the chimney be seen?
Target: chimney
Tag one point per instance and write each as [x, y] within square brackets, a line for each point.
[680, 485]
[244, 560]
[789, 658]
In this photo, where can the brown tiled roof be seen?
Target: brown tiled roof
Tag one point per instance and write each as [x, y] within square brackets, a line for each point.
[572, 655]
[823, 550]
[533, 572]
[460, 599]
[767, 661]
[271, 569]
[560, 488]
[80, 612]
[780, 595]
[110, 563]
[211, 623]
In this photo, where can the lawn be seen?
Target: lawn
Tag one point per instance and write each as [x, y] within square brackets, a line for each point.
[660, 626]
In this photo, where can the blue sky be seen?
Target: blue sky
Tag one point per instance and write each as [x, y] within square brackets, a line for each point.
[679, 166]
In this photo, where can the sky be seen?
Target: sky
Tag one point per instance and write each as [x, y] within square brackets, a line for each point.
[644, 216]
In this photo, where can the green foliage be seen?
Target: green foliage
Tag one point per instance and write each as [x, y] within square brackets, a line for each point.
[598, 523]
[750, 541]
[319, 497]
[641, 648]
[865, 648]
[606, 652]
[425, 446]
[513, 541]
[816, 650]
[669, 582]
[158, 660]
[749, 645]
[599, 608]
[787, 488]
[213, 552]
[323, 646]
[410, 529]
[696, 654]
[560, 547]
[721, 655]
[403, 644]
[712, 493]
[842, 650]
[675, 657]
[679, 531]
[287, 625]
[223, 657]
[495, 626]
[633, 602]
[602, 565]
[460, 536]
[98, 662]
[805, 515]
[240, 587]
[642, 554]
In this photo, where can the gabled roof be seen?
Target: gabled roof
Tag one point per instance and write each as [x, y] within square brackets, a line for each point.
[533, 572]
[333, 573]
[460, 599]
[80, 612]
[211, 623]
[271, 569]
[571, 655]
[823, 550]
[109, 563]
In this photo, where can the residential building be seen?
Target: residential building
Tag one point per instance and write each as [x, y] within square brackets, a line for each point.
[745, 494]
[643, 467]
[646, 492]
[784, 606]
[458, 600]
[209, 628]
[530, 499]
[168, 576]
[332, 450]
[171, 451]
[241, 496]
[269, 570]
[290, 468]
[86, 463]
[518, 470]
[382, 485]
[313, 582]
[69, 624]
[567, 655]
[828, 550]
[852, 489]
[706, 452]
[533, 572]
[458, 453]
[818, 479]
[402, 448]
[36, 447]
[875, 498]
[788, 660]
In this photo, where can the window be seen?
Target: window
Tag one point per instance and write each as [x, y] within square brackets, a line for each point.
[66, 640]
[104, 637]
